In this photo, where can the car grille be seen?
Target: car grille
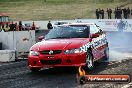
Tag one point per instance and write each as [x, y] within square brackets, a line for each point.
[53, 52]
[51, 62]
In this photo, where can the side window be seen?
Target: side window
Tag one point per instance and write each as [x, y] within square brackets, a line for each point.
[94, 29]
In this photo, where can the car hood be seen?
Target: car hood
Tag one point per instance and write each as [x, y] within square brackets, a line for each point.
[59, 44]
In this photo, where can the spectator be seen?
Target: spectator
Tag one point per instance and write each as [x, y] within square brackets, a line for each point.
[33, 26]
[97, 13]
[3, 25]
[7, 26]
[17, 27]
[20, 25]
[131, 11]
[0, 25]
[102, 14]
[49, 26]
[109, 11]
[124, 13]
[119, 13]
[128, 12]
[115, 12]
[12, 27]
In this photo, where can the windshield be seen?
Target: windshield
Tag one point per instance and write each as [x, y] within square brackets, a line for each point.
[68, 32]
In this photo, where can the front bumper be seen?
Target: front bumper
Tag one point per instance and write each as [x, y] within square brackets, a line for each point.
[58, 60]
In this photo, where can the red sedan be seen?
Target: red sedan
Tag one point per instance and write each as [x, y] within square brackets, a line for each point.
[77, 44]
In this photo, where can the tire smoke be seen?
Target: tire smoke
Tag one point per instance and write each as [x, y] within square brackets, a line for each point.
[120, 44]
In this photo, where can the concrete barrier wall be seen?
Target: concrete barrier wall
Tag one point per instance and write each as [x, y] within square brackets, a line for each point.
[21, 41]
[105, 24]
[7, 55]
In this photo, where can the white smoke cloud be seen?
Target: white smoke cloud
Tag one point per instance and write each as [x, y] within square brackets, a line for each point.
[120, 44]
[118, 56]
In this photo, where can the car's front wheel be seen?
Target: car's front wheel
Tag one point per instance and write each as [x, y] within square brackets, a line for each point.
[89, 60]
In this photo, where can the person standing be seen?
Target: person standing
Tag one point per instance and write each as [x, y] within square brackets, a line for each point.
[128, 12]
[131, 12]
[115, 12]
[124, 13]
[20, 25]
[3, 26]
[119, 13]
[17, 27]
[102, 13]
[0, 26]
[109, 12]
[49, 25]
[33, 26]
[12, 27]
[6, 26]
[97, 13]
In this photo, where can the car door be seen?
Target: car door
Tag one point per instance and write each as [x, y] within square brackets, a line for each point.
[98, 42]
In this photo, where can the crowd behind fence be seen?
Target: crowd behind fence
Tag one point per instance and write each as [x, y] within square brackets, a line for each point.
[16, 26]
[124, 13]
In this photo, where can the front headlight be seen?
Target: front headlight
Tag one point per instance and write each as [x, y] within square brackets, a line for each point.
[71, 51]
[33, 53]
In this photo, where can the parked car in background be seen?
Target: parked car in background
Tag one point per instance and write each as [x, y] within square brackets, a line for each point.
[28, 26]
[59, 24]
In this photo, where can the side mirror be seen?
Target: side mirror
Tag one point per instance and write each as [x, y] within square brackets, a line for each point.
[40, 38]
[95, 35]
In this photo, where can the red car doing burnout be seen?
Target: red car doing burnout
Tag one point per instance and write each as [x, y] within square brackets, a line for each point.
[76, 44]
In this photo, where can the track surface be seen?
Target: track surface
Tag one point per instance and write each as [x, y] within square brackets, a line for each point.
[17, 74]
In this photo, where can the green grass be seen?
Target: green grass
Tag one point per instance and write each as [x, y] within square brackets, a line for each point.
[56, 9]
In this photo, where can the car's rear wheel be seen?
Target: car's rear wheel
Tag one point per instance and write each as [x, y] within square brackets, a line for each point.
[89, 61]
[35, 69]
